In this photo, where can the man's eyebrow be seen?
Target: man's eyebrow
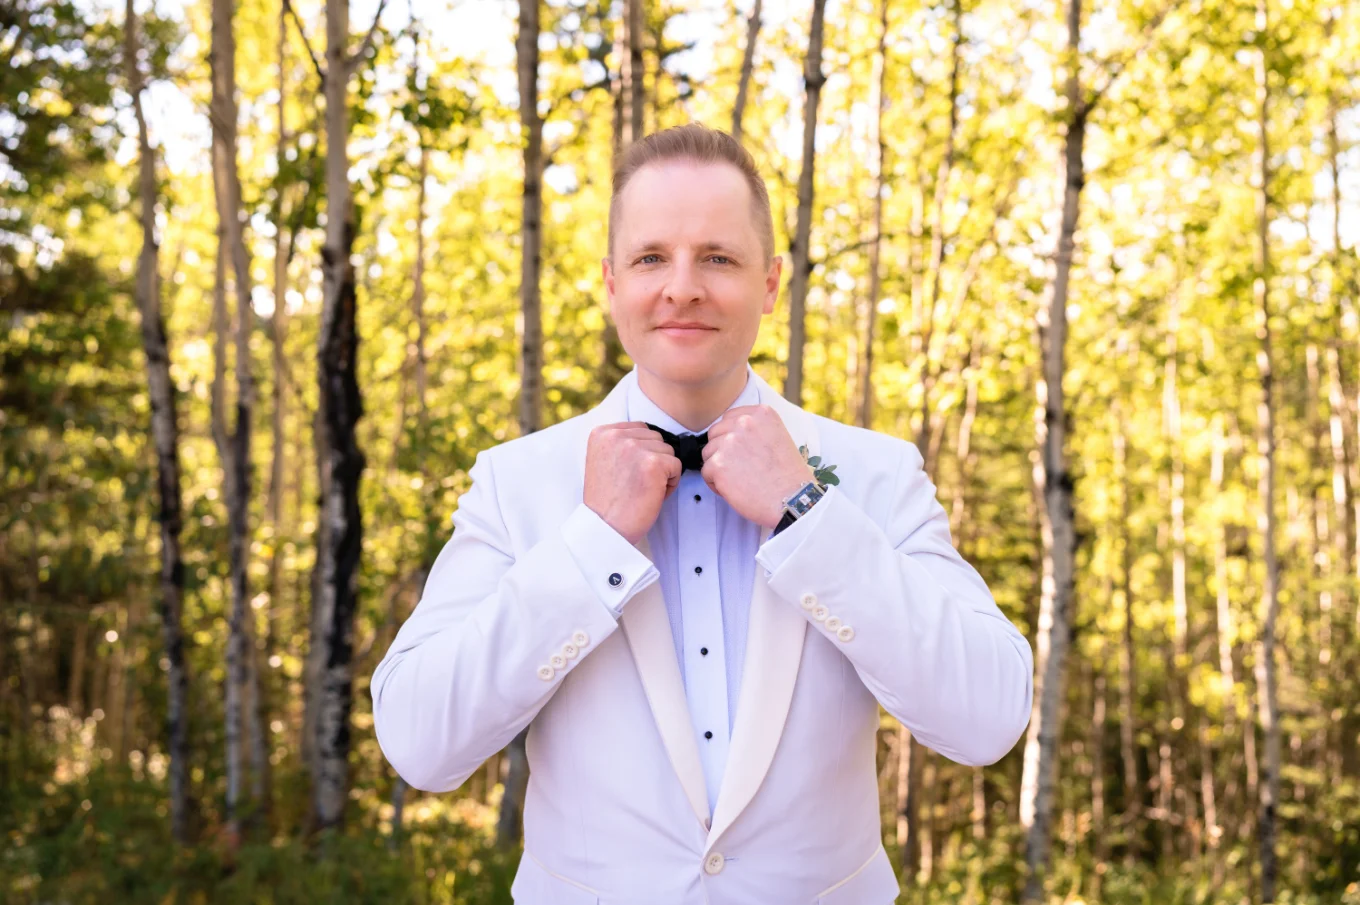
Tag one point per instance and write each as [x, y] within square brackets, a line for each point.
[654, 245]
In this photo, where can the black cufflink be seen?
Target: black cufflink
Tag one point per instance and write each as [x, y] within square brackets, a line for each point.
[615, 580]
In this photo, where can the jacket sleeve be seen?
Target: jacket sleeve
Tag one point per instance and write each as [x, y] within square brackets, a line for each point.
[495, 633]
[915, 620]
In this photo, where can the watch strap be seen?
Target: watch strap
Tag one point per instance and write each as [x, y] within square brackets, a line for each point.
[784, 522]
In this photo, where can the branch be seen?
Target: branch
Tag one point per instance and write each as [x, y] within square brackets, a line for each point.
[1118, 67]
[302, 33]
[353, 62]
[844, 249]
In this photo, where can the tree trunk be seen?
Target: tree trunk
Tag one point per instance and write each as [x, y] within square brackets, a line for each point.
[283, 252]
[866, 374]
[1227, 677]
[801, 263]
[1096, 744]
[509, 825]
[634, 73]
[1265, 442]
[1185, 721]
[747, 62]
[418, 296]
[1058, 530]
[927, 375]
[1344, 539]
[165, 435]
[342, 462]
[234, 447]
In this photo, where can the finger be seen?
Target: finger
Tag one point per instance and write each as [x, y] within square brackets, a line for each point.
[713, 447]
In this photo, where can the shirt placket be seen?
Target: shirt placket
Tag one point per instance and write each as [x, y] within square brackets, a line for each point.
[705, 651]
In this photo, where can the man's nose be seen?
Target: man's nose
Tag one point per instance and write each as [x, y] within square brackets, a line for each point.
[683, 284]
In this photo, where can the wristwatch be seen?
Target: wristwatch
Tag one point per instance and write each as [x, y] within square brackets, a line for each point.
[797, 505]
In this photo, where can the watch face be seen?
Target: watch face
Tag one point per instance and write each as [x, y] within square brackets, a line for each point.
[802, 501]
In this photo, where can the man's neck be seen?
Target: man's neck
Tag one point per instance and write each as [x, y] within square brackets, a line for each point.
[695, 406]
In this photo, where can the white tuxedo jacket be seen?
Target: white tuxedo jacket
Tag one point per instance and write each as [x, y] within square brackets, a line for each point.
[874, 606]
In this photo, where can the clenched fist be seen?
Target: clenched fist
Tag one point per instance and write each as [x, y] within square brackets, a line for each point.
[752, 463]
[630, 471]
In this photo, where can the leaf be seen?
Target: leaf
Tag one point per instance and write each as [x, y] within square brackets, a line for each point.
[815, 461]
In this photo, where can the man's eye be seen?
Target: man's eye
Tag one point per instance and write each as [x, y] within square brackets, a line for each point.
[649, 259]
[721, 259]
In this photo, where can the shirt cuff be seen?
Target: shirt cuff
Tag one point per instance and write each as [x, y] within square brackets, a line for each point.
[612, 566]
[775, 551]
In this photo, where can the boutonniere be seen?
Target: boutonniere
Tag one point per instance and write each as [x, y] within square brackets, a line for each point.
[825, 474]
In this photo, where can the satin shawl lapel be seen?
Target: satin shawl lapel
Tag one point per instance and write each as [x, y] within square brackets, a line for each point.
[648, 630]
[774, 648]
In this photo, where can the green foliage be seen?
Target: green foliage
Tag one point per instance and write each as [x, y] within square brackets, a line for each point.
[105, 839]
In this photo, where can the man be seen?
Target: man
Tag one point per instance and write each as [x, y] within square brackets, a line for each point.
[699, 630]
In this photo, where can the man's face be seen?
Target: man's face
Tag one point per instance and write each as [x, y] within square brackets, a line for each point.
[687, 279]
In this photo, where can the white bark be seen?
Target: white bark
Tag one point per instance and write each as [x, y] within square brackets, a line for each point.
[1056, 515]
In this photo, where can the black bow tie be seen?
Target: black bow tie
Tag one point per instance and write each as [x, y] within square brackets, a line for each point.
[689, 448]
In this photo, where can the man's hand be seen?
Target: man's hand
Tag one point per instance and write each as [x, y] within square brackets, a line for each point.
[630, 471]
[753, 463]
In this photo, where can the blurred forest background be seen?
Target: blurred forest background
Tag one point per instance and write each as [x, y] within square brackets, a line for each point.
[272, 273]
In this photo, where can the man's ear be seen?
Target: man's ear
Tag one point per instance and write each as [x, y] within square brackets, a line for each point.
[772, 283]
[608, 271]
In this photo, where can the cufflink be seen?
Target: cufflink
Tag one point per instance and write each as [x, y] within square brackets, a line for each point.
[615, 580]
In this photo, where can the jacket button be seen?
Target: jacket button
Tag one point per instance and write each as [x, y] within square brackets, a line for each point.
[845, 633]
[713, 864]
[570, 651]
[580, 639]
[557, 661]
[820, 613]
[809, 601]
[615, 580]
[832, 623]
[546, 673]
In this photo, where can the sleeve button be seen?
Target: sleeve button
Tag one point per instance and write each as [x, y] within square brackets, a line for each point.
[615, 580]
[546, 673]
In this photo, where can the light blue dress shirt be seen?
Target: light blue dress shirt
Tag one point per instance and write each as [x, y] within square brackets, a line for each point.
[705, 553]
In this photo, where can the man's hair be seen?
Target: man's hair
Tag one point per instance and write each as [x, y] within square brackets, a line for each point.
[698, 144]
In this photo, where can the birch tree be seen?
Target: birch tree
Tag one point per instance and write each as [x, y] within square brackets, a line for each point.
[165, 436]
[1054, 482]
[340, 461]
[508, 827]
[234, 446]
[1268, 707]
[813, 80]
[748, 56]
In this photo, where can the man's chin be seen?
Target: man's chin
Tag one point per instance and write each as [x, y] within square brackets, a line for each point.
[694, 370]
